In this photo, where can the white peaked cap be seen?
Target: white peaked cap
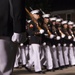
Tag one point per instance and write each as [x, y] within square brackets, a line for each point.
[45, 15]
[70, 23]
[58, 20]
[53, 18]
[28, 21]
[64, 22]
[35, 11]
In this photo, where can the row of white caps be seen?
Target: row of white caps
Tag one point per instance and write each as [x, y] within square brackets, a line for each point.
[69, 23]
[37, 11]
[45, 15]
[66, 22]
[53, 18]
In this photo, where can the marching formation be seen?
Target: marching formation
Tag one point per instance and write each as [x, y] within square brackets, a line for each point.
[50, 43]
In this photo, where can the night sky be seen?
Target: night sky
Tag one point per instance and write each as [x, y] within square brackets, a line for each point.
[51, 5]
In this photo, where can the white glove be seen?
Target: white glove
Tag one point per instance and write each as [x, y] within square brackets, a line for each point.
[71, 45]
[74, 39]
[21, 44]
[44, 43]
[53, 46]
[69, 37]
[41, 31]
[63, 36]
[16, 37]
[58, 38]
[59, 44]
[51, 36]
[64, 44]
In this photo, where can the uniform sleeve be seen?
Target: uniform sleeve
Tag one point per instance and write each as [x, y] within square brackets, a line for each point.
[18, 16]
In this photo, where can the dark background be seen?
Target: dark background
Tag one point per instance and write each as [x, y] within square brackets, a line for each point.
[50, 5]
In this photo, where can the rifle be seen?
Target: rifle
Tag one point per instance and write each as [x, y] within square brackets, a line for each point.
[48, 31]
[46, 27]
[62, 34]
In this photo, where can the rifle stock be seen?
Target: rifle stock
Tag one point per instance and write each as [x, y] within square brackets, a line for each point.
[48, 31]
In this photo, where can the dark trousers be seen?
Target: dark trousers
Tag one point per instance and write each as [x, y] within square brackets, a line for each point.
[12, 17]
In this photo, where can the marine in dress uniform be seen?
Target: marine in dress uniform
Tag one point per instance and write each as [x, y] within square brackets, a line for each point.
[46, 43]
[65, 43]
[59, 44]
[71, 50]
[54, 43]
[10, 25]
[30, 50]
[35, 41]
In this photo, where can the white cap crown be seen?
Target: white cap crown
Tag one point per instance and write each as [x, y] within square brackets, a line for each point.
[64, 22]
[45, 15]
[35, 11]
[70, 23]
